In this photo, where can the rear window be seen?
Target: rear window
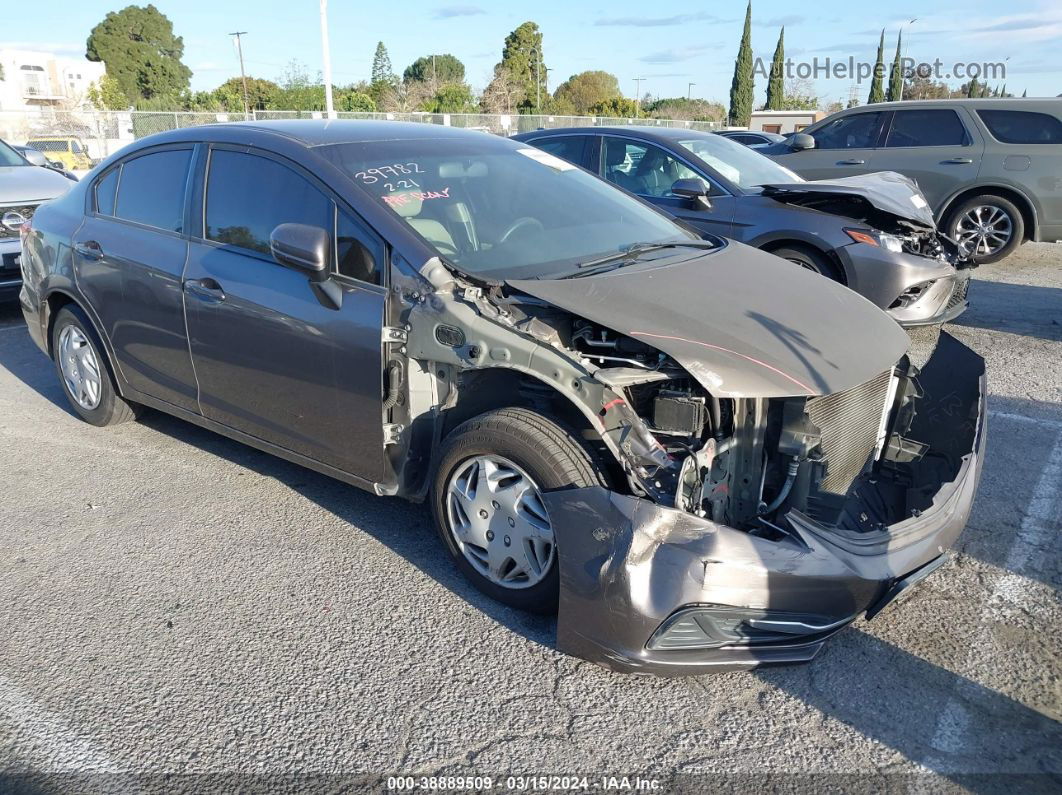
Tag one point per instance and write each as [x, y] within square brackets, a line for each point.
[1022, 126]
[105, 192]
[151, 189]
[926, 128]
[568, 147]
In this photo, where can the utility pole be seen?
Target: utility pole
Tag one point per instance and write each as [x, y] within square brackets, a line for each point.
[538, 79]
[903, 56]
[689, 91]
[243, 75]
[638, 95]
[327, 59]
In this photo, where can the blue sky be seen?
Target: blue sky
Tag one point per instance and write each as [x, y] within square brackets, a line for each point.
[670, 44]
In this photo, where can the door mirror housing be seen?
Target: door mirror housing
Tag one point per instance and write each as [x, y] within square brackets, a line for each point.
[694, 189]
[303, 247]
[801, 141]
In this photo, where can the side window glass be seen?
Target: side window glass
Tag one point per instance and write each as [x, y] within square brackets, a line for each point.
[280, 196]
[858, 131]
[569, 147]
[926, 128]
[643, 168]
[152, 189]
[105, 192]
[1022, 126]
[358, 254]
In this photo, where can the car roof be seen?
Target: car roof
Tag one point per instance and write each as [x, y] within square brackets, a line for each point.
[1015, 103]
[320, 132]
[646, 131]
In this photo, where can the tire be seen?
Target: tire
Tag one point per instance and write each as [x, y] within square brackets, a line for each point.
[74, 337]
[809, 258]
[534, 448]
[996, 214]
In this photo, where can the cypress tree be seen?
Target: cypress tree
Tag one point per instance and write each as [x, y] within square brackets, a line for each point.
[973, 90]
[1025, 93]
[877, 93]
[742, 86]
[896, 75]
[776, 83]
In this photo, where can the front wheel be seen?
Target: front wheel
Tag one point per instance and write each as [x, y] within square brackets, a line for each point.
[488, 508]
[807, 258]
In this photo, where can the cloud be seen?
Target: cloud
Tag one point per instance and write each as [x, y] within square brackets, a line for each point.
[778, 22]
[657, 22]
[674, 55]
[54, 47]
[449, 12]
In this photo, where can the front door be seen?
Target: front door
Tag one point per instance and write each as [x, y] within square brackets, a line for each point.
[650, 171]
[272, 359]
[844, 147]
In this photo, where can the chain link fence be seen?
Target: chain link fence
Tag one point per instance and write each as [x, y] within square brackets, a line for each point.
[101, 133]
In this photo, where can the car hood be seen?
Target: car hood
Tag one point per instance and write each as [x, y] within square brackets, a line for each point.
[743, 322]
[30, 184]
[885, 199]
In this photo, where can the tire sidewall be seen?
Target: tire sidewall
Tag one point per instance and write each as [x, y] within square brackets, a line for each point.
[808, 261]
[1017, 224]
[101, 415]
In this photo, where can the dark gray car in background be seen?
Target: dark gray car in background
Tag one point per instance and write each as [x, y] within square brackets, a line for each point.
[699, 454]
[990, 168]
[873, 234]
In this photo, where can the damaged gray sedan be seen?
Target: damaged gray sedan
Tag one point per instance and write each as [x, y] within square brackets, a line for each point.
[700, 456]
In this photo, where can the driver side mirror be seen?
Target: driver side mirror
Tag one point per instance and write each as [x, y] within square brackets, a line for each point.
[801, 141]
[693, 189]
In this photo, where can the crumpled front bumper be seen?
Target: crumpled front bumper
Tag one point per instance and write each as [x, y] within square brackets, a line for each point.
[630, 569]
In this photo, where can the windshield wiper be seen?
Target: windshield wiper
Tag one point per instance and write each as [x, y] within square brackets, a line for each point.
[631, 253]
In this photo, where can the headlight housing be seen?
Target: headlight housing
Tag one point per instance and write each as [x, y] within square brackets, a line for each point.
[872, 237]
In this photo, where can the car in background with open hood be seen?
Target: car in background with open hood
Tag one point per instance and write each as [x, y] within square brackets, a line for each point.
[699, 455]
[874, 233]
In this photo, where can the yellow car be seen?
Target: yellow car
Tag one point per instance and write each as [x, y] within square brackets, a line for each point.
[68, 150]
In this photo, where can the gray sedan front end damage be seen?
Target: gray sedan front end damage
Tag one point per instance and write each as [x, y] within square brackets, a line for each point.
[651, 589]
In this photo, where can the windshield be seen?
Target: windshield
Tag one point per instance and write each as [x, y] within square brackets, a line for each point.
[744, 167]
[498, 209]
[9, 157]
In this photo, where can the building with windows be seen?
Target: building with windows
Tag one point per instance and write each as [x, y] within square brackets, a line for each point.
[41, 80]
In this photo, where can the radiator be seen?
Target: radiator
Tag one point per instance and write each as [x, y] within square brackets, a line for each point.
[853, 428]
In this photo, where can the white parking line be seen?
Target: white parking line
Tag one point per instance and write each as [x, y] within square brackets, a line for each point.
[47, 732]
[1039, 522]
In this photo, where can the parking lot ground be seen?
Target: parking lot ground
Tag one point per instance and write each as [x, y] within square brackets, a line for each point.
[172, 602]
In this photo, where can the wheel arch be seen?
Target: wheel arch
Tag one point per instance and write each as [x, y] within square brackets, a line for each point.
[830, 254]
[1010, 193]
[57, 298]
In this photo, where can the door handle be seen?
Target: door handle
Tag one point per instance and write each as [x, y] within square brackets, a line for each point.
[89, 249]
[852, 162]
[959, 161]
[204, 289]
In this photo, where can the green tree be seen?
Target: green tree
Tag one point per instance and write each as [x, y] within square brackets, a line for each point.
[297, 90]
[586, 90]
[436, 69]
[974, 89]
[107, 94]
[381, 66]
[619, 108]
[877, 92]
[523, 65]
[451, 98]
[743, 85]
[260, 93]
[1025, 93]
[141, 53]
[351, 99]
[896, 74]
[776, 82]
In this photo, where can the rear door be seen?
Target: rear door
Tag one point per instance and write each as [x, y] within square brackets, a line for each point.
[131, 253]
[843, 146]
[274, 360]
[649, 171]
[935, 147]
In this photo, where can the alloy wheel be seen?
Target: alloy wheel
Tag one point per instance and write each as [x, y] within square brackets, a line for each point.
[80, 367]
[495, 514]
[983, 230]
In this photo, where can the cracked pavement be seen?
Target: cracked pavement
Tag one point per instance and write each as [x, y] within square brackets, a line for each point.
[174, 602]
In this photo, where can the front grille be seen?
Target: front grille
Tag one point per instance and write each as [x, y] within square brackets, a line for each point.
[959, 294]
[25, 210]
[850, 422]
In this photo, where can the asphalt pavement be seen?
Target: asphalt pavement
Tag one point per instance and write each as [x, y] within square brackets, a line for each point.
[177, 606]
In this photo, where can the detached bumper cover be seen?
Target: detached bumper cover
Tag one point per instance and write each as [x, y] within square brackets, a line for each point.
[631, 569]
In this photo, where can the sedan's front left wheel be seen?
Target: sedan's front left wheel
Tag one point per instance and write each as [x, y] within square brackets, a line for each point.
[488, 508]
[83, 371]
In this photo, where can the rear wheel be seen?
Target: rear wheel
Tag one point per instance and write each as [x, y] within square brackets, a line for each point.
[83, 371]
[987, 228]
[808, 258]
[488, 508]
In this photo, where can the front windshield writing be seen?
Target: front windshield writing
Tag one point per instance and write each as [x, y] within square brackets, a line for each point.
[501, 210]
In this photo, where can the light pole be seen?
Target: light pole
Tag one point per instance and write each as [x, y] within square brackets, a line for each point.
[903, 54]
[243, 76]
[689, 91]
[327, 61]
[638, 95]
